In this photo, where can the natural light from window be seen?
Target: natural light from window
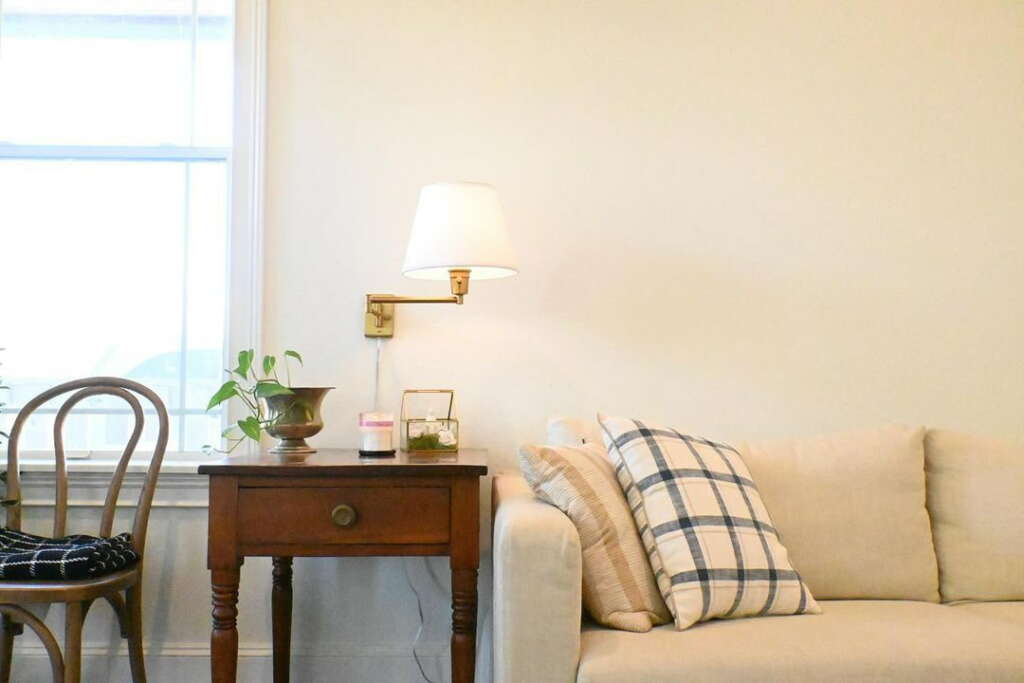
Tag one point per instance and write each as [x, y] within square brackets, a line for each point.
[115, 134]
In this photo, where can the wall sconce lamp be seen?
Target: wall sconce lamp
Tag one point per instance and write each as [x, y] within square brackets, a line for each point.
[459, 233]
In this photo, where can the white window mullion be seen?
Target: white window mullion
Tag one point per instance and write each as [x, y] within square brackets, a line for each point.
[183, 362]
[193, 52]
[187, 222]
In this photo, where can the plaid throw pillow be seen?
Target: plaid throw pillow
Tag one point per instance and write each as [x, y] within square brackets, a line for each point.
[711, 542]
[25, 557]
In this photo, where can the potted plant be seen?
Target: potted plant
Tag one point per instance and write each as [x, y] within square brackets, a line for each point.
[291, 414]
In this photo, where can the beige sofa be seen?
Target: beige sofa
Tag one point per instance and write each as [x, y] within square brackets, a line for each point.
[932, 523]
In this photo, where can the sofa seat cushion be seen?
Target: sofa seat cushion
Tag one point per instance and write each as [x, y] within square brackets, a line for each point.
[857, 640]
[1010, 612]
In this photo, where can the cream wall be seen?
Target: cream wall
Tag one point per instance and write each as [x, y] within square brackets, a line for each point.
[751, 218]
[747, 218]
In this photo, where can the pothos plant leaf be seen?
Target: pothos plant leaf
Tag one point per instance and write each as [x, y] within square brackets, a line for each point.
[226, 391]
[270, 387]
[252, 390]
[250, 426]
[245, 363]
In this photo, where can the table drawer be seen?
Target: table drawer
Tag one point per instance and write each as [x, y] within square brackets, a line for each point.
[341, 515]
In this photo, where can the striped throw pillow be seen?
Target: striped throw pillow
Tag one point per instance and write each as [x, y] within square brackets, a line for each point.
[618, 585]
[711, 542]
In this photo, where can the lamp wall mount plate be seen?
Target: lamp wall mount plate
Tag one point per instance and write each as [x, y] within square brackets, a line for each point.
[379, 318]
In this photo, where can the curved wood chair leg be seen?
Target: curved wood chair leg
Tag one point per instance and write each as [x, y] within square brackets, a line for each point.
[7, 633]
[117, 602]
[49, 642]
[134, 613]
[73, 618]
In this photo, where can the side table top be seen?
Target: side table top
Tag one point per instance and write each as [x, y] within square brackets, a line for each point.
[346, 462]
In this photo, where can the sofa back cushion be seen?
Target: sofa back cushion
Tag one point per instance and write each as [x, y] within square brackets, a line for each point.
[976, 500]
[619, 589]
[851, 510]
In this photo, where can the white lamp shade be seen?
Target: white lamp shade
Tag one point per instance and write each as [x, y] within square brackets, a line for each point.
[459, 226]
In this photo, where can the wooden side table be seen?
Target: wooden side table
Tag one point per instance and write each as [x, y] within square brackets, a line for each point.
[336, 504]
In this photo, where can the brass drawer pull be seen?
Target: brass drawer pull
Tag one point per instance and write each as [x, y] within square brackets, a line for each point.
[344, 516]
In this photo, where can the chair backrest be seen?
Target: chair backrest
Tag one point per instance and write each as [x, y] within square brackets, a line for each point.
[84, 388]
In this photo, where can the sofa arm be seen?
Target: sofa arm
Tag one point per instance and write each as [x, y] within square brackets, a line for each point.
[537, 587]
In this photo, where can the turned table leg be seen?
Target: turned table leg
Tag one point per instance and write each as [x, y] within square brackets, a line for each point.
[281, 600]
[224, 639]
[463, 625]
[224, 562]
[465, 560]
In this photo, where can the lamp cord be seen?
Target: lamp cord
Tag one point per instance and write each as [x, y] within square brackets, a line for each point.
[408, 576]
[376, 377]
[406, 563]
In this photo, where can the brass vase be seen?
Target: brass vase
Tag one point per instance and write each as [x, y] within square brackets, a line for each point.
[296, 417]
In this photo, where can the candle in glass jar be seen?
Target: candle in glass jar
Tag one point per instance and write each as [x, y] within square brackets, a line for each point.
[376, 430]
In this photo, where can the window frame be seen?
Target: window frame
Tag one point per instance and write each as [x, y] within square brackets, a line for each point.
[244, 249]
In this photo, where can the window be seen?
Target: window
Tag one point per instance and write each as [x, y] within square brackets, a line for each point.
[116, 124]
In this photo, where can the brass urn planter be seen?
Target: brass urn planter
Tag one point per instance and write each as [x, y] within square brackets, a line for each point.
[294, 418]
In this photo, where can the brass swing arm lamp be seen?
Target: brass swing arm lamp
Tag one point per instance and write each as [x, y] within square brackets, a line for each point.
[456, 223]
[381, 307]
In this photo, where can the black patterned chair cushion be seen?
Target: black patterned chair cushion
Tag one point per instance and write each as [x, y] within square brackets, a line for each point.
[25, 557]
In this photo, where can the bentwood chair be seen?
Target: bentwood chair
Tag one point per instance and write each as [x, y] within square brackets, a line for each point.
[79, 595]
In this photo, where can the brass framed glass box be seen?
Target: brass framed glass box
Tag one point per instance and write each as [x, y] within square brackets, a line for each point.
[428, 422]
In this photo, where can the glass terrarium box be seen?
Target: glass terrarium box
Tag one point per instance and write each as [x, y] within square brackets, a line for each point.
[428, 422]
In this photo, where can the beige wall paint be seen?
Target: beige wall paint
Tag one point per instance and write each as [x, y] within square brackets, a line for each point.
[747, 218]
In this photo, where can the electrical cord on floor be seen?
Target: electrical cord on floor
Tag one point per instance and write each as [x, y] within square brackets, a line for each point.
[419, 611]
